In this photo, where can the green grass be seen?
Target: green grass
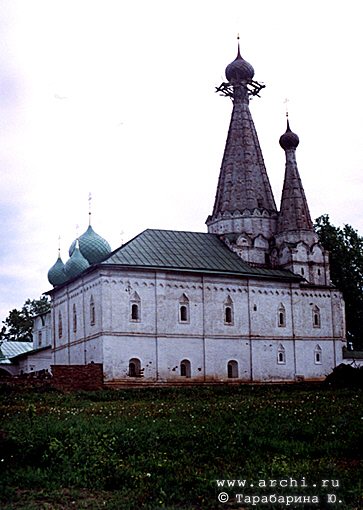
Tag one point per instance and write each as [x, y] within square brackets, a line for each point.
[165, 448]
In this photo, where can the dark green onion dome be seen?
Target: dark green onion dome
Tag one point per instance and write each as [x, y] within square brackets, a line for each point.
[239, 70]
[92, 246]
[56, 274]
[289, 140]
[76, 264]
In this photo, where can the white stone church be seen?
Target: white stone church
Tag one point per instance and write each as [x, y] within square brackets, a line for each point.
[251, 300]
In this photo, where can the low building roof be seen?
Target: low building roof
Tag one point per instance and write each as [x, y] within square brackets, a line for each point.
[9, 349]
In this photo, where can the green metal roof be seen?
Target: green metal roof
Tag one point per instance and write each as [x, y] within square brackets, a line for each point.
[187, 251]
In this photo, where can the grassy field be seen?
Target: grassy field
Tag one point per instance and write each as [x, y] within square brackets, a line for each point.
[165, 448]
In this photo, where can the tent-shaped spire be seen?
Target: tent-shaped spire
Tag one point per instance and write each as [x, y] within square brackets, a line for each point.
[243, 180]
[294, 213]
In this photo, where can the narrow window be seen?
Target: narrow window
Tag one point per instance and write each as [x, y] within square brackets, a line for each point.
[74, 318]
[281, 318]
[228, 311]
[135, 303]
[317, 355]
[255, 308]
[134, 367]
[183, 313]
[281, 355]
[60, 325]
[232, 369]
[92, 311]
[228, 315]
[184, 309]
[316, 317]
[39, 339]
[185, 368]
[134, 312]
[302, 271]
[319, 272]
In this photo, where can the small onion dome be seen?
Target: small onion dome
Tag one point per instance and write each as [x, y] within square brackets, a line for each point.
[289, 140]
[76, 264]
[92, 246]
[239, 69]
[56, 274]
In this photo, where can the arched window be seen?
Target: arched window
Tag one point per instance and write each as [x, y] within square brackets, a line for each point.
[317, 355]
[134, 367]
[232, 369]
[316, 317]
[74, 318]
[281, 355]
[92, 312]
[281, 316]
[184, 309]
[60, 326]
[135, 303]
[228, 311]
[185, 368]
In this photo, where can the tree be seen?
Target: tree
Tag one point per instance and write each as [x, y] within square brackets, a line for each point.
[19, 323]
[346, 267]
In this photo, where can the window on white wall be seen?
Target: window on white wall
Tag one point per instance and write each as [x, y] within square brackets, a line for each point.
[317, 355]
[232, 369]
[92, 311]
[134, 367]
[316, 317]
[281, 316]
[60, 325]
[228, 311]
[184, 308]
[281, 355]
[74, 318]
[39, 339]
[135, 307]
[185, 368]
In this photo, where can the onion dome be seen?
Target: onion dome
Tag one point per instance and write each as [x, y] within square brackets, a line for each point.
[239, 69]
[92, 246]
[56, 274]
[76, 264]
[289, 140]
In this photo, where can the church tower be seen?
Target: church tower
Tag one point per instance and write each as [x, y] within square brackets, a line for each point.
[244, 210]
[297, 245]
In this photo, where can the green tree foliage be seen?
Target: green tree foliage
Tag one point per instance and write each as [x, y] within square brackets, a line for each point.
[346, 266]
[18, 325]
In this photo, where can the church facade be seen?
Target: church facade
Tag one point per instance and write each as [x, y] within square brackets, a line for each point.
[250, 300]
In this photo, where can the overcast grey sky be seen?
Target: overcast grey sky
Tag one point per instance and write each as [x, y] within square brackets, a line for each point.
[117, 98]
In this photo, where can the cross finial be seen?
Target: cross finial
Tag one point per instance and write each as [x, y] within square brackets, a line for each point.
[89, 207]
[286, 107]
[59, 240]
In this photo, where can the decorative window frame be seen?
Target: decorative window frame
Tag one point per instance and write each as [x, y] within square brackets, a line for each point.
[135, 303]
[281, 355]
[281, 316]
[316, 317]
[184, 310]
[318, 355]
[92, 311]
[228, 312]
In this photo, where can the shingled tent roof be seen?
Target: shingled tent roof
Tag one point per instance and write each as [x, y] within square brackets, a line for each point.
[187, 251]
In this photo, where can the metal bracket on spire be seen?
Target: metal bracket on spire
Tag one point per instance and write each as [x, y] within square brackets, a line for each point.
[253, 88]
